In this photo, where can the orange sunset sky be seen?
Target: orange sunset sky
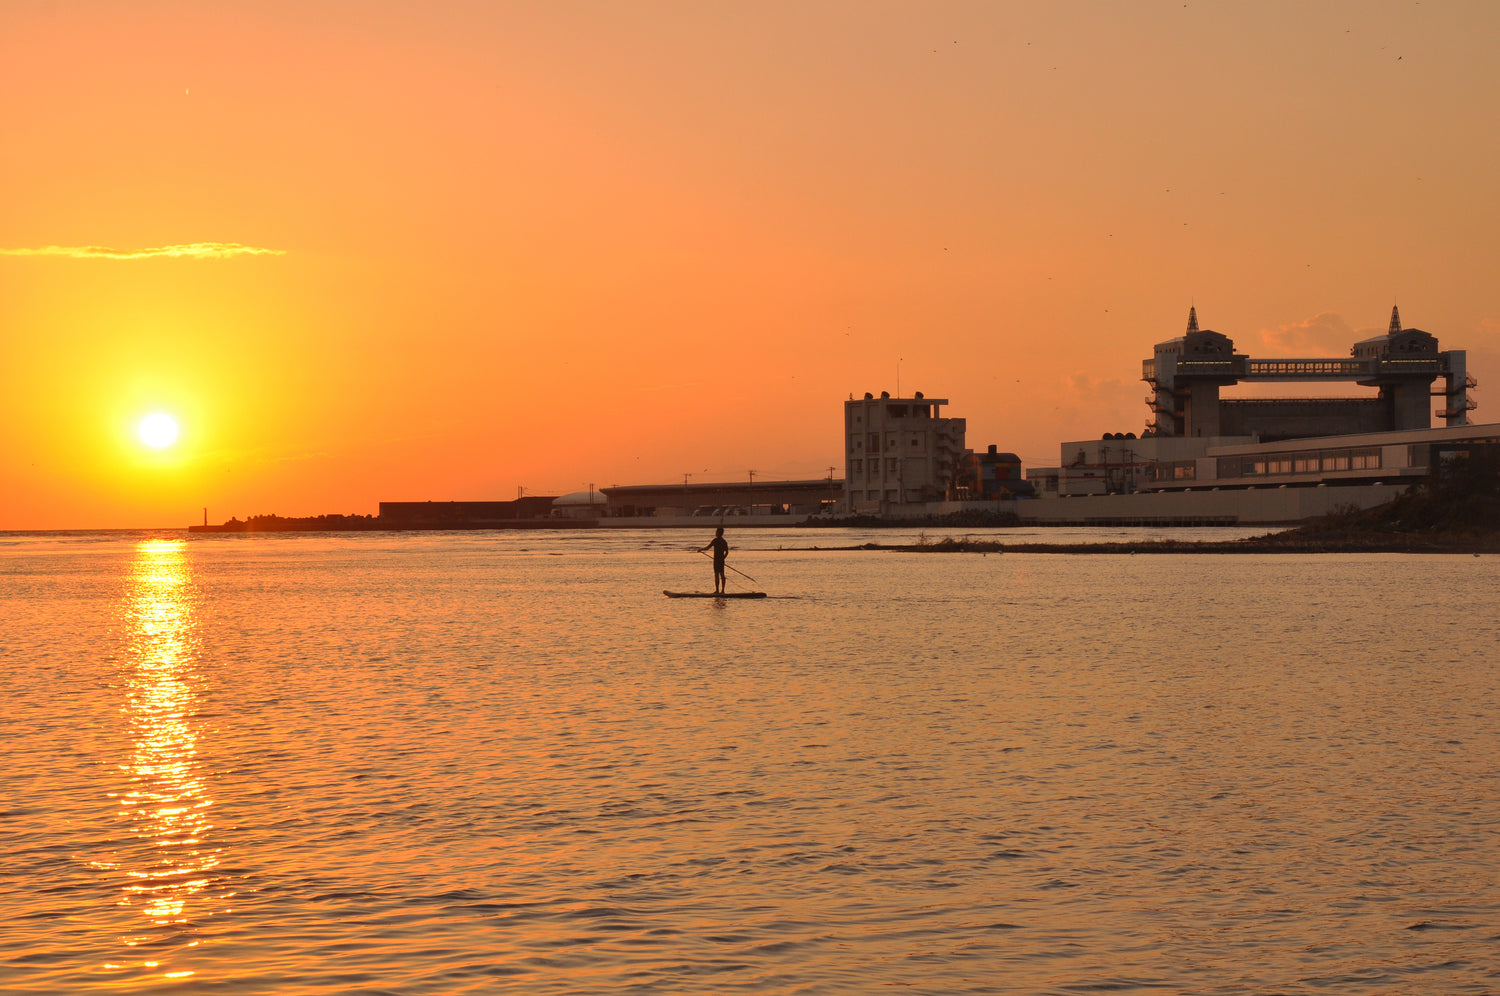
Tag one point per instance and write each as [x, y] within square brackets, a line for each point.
[450, 249]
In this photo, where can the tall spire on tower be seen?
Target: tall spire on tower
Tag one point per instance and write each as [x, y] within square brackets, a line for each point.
[1192, 319]
[1395, 321]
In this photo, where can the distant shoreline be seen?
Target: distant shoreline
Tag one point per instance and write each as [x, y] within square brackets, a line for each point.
[1253, 545]
[1288, 542]
[1458, 512]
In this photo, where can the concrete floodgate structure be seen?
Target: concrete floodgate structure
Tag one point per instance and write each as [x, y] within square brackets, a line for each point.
[1205, 459]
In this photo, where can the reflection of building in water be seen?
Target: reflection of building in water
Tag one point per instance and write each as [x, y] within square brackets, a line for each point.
[165, 801]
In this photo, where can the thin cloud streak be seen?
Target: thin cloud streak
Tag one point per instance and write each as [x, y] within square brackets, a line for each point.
[189, 250]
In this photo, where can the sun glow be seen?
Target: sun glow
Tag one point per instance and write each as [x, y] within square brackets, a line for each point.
[158, 430]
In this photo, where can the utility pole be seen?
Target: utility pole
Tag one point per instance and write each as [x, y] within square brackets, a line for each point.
[752, 477]
[831, 469]
[685, 479]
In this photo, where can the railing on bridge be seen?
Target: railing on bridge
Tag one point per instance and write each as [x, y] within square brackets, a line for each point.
[1275, 369]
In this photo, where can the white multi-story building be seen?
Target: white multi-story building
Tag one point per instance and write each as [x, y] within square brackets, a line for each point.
[899, 453]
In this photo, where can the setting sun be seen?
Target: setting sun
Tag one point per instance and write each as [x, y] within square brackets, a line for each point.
[158, 430]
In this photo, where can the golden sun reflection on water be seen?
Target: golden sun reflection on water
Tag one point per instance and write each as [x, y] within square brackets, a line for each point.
[165, 802]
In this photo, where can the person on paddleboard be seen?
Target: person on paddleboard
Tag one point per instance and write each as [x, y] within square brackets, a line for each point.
[720, 546]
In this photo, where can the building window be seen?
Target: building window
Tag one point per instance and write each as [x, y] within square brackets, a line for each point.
[859, 466]
[1306, 465]
[874, 442]
[890, 465]
[1278, 466]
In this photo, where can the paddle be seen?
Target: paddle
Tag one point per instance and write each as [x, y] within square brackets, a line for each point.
[735, 569]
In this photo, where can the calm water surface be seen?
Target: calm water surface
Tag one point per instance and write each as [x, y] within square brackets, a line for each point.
[464, 763]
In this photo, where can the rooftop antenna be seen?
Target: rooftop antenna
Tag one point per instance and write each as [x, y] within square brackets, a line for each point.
[1192, 319]
[1395, 321]
[898, 376]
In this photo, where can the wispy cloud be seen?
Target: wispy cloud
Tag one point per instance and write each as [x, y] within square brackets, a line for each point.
[1322, 333]
[190, 250]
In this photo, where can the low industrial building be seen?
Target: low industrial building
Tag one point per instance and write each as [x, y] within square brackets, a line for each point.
[590, 504]
[464, 514]
[739, 499]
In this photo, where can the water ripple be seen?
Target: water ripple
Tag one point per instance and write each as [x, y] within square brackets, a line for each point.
[457, 764]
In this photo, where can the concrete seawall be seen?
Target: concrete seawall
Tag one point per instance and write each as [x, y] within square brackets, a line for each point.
[1244, 506]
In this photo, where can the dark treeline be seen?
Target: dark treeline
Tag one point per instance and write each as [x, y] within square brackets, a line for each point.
[306, 524]
[1459, 504]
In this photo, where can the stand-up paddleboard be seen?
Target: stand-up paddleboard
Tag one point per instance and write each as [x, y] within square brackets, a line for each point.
[709, 594]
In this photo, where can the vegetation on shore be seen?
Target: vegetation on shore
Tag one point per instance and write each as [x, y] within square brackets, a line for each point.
[1458, 507]
[305, 524]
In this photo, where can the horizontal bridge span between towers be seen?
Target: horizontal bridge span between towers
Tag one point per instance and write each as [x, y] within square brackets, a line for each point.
[1245, 368]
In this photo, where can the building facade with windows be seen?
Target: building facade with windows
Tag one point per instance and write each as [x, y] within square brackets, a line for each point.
[900, 453]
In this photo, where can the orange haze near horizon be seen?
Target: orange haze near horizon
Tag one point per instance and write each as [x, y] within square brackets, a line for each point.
[545, 245]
